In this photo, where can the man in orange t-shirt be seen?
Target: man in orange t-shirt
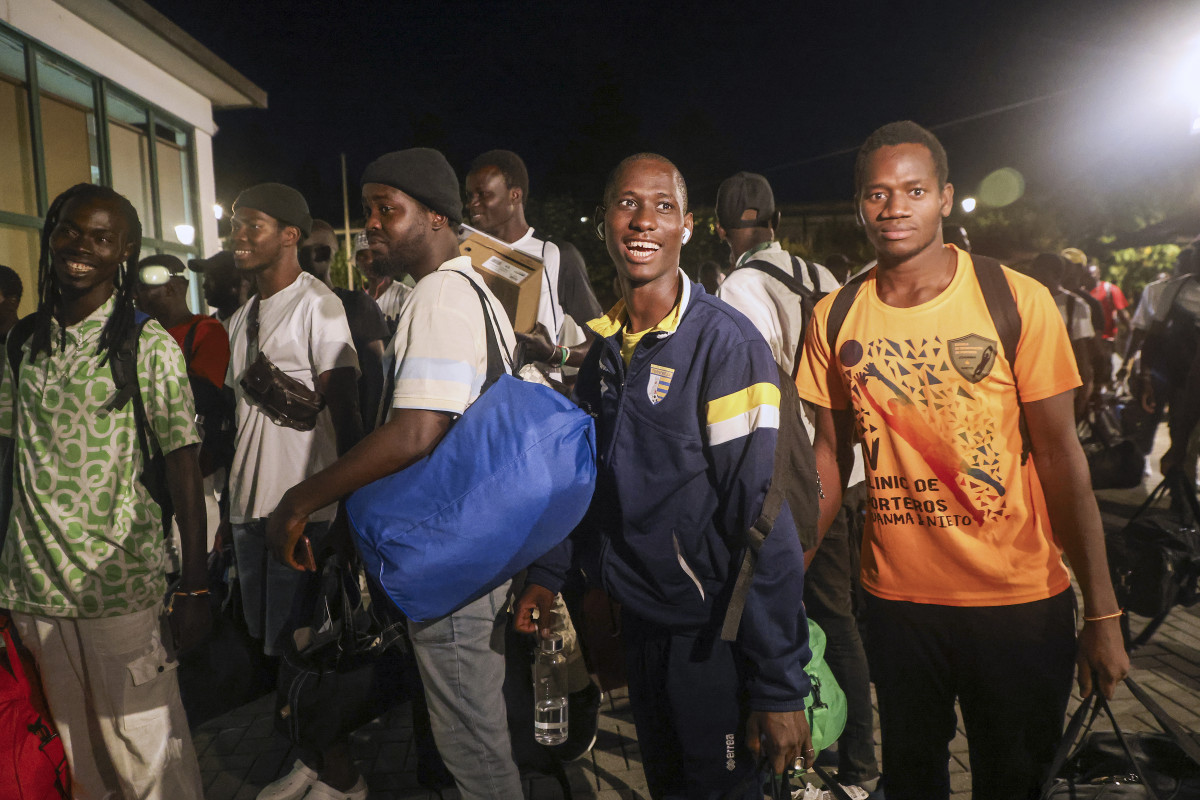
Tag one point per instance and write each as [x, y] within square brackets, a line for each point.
[967, 594]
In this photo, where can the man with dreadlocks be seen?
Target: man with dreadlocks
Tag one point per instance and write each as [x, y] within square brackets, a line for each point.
[82, 567]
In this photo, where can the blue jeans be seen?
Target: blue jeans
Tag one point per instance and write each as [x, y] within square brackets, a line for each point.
[269, 588]
[461, 658]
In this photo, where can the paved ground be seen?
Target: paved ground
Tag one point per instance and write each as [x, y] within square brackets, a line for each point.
[239, 752]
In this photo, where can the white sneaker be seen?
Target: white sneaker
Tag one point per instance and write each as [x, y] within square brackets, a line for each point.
[810, 792]
[323, 791]
[292, 786]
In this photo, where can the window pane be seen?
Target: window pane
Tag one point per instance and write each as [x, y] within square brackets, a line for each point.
[17, 188]
[129, 154]
[68, 127]
[174, 193]
[19, 250]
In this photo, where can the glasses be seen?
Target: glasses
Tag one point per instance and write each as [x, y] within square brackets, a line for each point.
[155, 275]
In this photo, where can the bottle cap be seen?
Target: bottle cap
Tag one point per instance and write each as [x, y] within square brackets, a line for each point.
[554, 644]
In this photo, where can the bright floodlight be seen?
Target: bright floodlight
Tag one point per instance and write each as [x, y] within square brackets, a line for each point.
[583, 219]
[186, 234]
[968, 204]
[218, 212]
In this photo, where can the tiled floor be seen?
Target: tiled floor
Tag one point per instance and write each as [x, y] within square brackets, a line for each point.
[240, 752]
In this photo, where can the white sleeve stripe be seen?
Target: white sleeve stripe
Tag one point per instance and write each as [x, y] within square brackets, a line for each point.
[744, 424]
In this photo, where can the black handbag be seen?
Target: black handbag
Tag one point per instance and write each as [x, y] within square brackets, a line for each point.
[1154, 560]
[1116, 764]
[1114, 460]
[342, 670]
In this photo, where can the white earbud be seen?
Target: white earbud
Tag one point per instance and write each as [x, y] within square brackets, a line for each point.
[686, 235]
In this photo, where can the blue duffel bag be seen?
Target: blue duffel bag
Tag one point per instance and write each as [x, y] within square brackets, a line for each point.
[509, 481]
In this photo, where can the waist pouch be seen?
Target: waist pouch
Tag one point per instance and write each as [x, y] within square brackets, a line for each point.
[284, 399]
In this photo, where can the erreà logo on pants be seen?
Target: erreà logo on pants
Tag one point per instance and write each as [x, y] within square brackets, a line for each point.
[660, 382]
[730, 748]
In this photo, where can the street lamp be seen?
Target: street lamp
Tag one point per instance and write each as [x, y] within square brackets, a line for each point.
[218, 211]
[968, 204]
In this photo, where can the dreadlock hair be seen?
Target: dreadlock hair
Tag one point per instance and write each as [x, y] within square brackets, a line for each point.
[117, 326]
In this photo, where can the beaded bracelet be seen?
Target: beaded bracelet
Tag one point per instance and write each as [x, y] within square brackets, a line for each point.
[566, 353]
[1104, 617]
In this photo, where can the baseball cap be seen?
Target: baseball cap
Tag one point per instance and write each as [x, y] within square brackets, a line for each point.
[217, 261]
[745, 201]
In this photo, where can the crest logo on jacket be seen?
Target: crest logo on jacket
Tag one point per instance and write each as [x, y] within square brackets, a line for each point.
[660, 382]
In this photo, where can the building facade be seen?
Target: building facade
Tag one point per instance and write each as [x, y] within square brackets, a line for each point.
[110, 92]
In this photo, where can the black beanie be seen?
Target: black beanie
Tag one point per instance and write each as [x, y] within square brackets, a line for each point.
[279, 201]
[424, 175]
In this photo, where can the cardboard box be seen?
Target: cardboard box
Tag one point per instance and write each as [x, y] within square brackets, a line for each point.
[513, 276]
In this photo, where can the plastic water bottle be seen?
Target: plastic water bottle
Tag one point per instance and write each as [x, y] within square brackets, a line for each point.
[550, 693]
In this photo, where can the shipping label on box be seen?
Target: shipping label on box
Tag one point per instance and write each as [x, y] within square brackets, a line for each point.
[513, 276]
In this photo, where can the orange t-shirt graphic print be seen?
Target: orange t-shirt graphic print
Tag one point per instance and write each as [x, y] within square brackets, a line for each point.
[954, 518]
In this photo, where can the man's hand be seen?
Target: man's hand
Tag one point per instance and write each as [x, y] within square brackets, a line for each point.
[538, 345]
[190, 620]
[784, 734]
[285, 535]
[534, 598]
[1102, 654]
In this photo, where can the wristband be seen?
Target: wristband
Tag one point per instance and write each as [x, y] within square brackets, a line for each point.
[566, 353]
[1104, 617]
[193, 593]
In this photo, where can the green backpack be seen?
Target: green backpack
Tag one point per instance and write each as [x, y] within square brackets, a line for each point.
[826, 703]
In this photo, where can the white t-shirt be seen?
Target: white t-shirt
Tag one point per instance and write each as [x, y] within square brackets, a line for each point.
[303, 330]
[439, 351]
[392, 300]
[1149, 308]
[1079, 319]
[776, 313]
[772, 307]
[550, 312]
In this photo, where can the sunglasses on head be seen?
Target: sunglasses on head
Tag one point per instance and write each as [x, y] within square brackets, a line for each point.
[155, 275]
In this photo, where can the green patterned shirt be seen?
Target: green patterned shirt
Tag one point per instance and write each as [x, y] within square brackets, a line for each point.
[85, 539]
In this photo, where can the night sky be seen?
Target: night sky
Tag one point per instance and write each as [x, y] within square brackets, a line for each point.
[773, 88]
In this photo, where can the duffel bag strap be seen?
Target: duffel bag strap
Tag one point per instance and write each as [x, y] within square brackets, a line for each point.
[495, 361]
[1186, 743]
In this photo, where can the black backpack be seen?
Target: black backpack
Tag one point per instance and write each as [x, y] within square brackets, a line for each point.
[214, 408]
[1172, 341]
[808, 297]
[794, 474]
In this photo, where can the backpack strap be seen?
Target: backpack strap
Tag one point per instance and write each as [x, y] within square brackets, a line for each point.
[755, 535]
[813, 275]
[1002, 307]
[189, 341]
[842, 302]
[14, 345]
[791, 282]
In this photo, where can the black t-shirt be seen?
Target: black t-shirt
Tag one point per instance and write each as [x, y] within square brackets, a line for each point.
[366, 325]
